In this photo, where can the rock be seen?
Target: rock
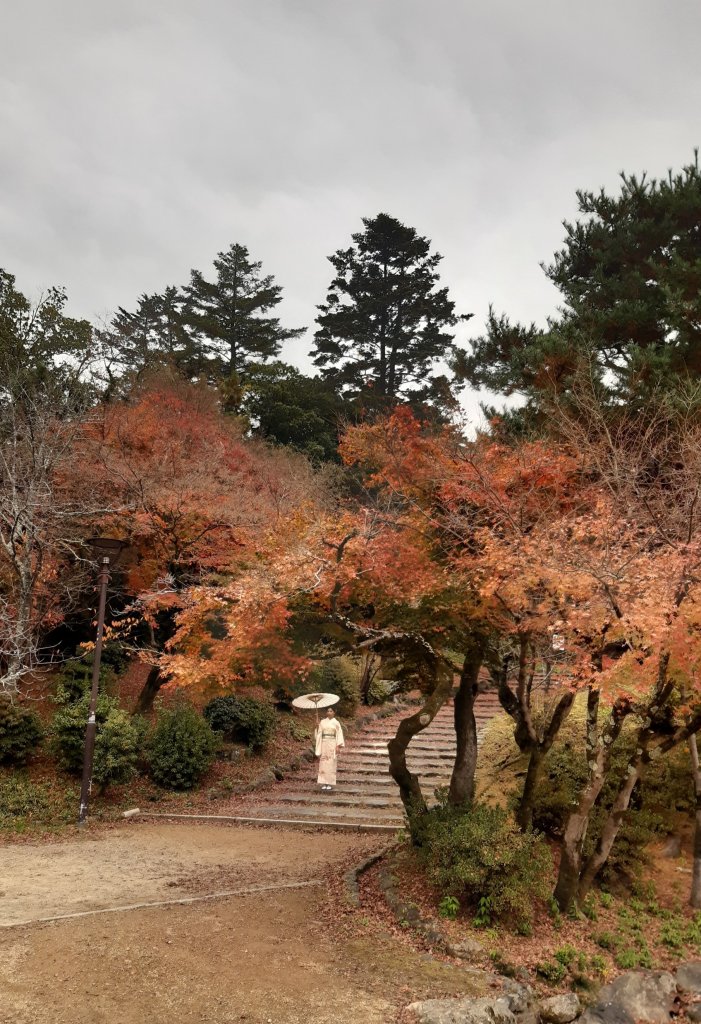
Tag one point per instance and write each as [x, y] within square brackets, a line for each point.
[673, 847]
[689, 977]
[560, 1009]
[434, 936]
[466, 949]
[644, 997]
[610, 1013]
[520, 998]
[694, 1013]
[462, 1011]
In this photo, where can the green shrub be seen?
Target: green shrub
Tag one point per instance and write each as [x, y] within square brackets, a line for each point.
[300, 731]
[75, 680]
[19, 798]
[241, 719]
[551, 971]
[24, 803]
[118, 741]
[482, 855]
[340, 675]
[627, 959]
[117, 748]
[607, 940]
[69, 724]
[20, 732]
[449, 907]
[181, 747]
[380, 691]
[565, 955]
[598, 964]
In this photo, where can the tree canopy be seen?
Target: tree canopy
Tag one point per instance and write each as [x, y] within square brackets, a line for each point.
[385, 333]
[629, 274]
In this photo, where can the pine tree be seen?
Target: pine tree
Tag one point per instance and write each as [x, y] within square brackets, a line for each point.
[630, 277]
[385, 327]
[229, 315]
[155, 332]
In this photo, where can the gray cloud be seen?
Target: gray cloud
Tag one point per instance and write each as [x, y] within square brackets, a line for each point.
[139, 139]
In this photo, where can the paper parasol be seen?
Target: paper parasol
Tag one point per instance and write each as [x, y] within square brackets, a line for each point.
[316, 701]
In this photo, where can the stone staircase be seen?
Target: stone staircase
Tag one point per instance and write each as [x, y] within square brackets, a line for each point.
[366, 795]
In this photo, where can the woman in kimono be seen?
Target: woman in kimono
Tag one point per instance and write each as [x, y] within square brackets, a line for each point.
[329, 737]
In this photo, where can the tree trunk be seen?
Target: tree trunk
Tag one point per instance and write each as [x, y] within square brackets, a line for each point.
[524, 811]
[462, 782]
[695, 897]
[370, 669]
[149, 692]
[598, 757]
[610, 830]
[408, 782]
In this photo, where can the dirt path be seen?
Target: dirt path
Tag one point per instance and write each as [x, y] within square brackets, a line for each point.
[275, 957]
[146, 862]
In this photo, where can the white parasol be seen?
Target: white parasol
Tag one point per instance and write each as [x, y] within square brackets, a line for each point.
[315, 700]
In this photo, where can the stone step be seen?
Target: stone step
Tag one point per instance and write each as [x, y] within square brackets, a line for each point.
[374, 769]
[330, 813]
[339, 799]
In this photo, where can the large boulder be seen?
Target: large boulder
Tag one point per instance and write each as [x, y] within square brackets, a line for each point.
[560, 1009]
[465, 949]
[636, 997]
[462, 1011]
[689, 977]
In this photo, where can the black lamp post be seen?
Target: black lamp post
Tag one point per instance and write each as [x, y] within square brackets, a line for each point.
[107, 551]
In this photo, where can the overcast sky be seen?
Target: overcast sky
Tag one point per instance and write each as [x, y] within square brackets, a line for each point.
[140, 138]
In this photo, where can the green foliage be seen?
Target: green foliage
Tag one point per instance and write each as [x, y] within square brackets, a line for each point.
[118, 742]
[385, 325]
[339, 675]
[664, 792]
[181, 747]
[25, 804]
[606, 899]
[69, 725]
[118, 748]
[589, 908]
[672, 936]
[241, 719]
[288, 408]
[627, 959]
[381, 690]
[229, 315]
[551, 971]
[598, 964]
[299, 731]
[483, 914]
[20, 732]
[482, 855]
[628, 278]
[20, 797]
[565, 955]
[449, 907]
[607, 940]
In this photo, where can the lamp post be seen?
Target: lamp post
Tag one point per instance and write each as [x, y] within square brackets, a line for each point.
[107, 550]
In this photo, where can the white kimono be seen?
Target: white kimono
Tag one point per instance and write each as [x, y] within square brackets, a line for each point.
[329, 736]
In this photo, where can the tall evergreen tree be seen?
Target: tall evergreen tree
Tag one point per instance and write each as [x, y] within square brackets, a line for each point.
[630, 277]
[230, 315]
[154, 332]
[386, 327]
